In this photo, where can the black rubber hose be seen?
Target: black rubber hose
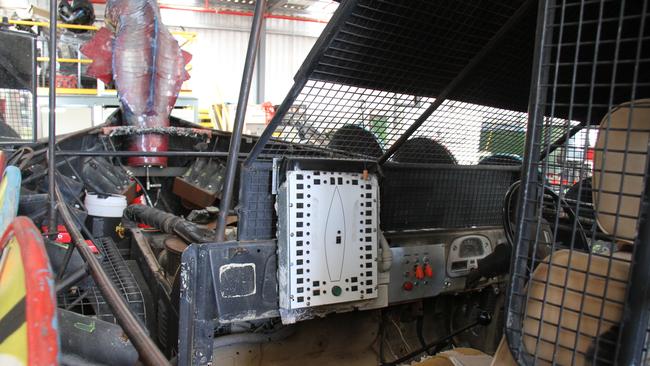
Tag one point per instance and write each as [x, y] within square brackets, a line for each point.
[168, 223]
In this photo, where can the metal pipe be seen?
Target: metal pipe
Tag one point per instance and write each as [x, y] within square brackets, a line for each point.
[452, 87]
[205, 9]
[189, 154]
[275, 121]
[311, 61]
[260, 76]
[34, 95]
[72, 278]
[46, 24]
[240, 116]
[562, 140]
[528, 194]
[51, 161]
[150, 259]
[149, 353]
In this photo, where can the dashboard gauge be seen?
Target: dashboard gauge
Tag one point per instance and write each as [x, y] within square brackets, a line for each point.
[471, 247]
[464, 253]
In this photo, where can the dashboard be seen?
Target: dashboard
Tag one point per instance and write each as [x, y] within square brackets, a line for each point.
[430, 263]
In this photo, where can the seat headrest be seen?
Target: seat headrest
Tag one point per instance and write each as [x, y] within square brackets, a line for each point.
[623, 137]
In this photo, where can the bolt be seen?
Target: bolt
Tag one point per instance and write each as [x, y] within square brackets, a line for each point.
[447, 282]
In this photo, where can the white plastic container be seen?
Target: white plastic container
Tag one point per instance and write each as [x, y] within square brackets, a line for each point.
[105, 205]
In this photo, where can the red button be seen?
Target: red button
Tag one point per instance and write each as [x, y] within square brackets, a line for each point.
[428, 271]
[408, 286]
[419, 272]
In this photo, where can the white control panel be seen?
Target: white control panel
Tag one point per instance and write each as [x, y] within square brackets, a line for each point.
[327, 238]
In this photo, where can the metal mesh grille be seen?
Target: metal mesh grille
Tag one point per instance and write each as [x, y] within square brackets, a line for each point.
[86, 298]
[379, 66]
[573, 288]
[17, 87]
[431, 197]
[16, 115]
[257, 219]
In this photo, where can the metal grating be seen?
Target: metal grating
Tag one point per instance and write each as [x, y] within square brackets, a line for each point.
[433, 197]
[16, 115]
[257, 219]
[17, 87]
[576, 298]
[86, 298]
[379, 66]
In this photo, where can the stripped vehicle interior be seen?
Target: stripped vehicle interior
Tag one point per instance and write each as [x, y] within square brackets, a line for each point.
[446, 183]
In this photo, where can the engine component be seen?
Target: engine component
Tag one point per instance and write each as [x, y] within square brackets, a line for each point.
[168, 223]
[327, 239]
[465, 252]
[417, 272]
[202, 183]
[101, 176]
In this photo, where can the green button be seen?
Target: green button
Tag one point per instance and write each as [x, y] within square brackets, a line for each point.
[336, 291]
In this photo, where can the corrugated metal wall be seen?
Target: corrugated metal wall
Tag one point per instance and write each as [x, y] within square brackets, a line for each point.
[220, 49]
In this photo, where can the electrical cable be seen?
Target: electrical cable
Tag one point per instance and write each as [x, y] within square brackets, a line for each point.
[401, 335]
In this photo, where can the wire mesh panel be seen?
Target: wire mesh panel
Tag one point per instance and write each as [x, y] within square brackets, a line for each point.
[380, 65]
[442, 196]
[17, 87]
[87, 299]
[576, 298]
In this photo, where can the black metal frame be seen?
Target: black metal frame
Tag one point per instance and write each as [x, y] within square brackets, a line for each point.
[455, 87]
[571, 80]
[240, 116]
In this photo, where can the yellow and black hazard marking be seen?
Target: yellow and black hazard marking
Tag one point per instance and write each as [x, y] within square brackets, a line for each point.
[13, 319]
[28, 326]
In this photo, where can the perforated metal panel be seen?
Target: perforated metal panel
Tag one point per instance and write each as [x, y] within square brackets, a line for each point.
[327, 238]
